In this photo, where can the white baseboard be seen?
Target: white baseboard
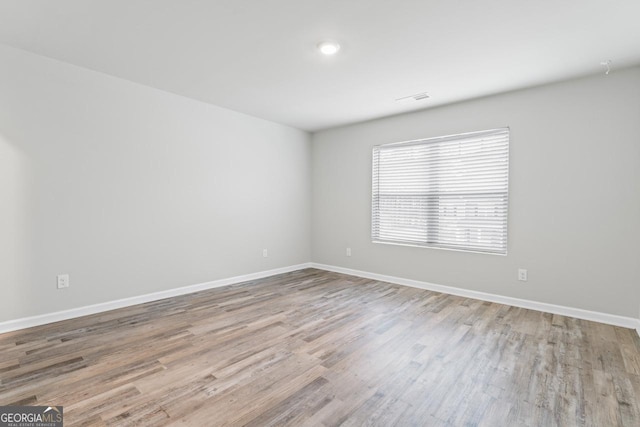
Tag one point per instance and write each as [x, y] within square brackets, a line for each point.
[610, 319]
[28, 322]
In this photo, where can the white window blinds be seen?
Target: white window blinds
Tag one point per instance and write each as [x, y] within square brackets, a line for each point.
[447, 192]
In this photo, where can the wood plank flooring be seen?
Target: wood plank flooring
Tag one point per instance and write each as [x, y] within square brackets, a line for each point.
[312, 348]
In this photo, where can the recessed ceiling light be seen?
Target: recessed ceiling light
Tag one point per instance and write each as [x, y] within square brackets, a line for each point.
[328, 47]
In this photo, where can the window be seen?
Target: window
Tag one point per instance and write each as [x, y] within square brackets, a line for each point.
[449, 192]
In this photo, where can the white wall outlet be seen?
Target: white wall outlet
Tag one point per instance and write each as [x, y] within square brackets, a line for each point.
[348, 251]
[63, 281]
[265, 253]
[522, 274]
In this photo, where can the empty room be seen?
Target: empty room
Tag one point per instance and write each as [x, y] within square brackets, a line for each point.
[329, 213]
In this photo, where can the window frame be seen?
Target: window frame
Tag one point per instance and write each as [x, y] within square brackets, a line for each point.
[433, 243]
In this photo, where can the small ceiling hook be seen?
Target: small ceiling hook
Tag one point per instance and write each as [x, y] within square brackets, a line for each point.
[607, 64]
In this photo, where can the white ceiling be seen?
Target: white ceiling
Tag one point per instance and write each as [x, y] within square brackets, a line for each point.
[258, 56]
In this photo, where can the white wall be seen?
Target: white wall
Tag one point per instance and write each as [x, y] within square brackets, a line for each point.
[574, 218]
[132, 190]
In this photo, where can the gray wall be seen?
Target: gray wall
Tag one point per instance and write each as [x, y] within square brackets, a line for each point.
[574, 218]
[132, 190]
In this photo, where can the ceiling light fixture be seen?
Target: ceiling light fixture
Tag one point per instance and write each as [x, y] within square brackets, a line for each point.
[328, 47]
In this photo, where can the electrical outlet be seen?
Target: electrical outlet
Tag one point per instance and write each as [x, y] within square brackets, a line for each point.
[63, 281]
[265, 253]
[522, 274]
[348, 251]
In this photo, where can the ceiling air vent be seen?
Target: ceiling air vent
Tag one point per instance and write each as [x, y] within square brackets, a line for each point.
[416, 97]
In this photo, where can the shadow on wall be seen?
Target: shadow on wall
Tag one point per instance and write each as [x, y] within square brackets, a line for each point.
[16, 240]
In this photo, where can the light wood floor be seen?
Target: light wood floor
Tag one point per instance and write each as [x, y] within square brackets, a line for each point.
[318, 348]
